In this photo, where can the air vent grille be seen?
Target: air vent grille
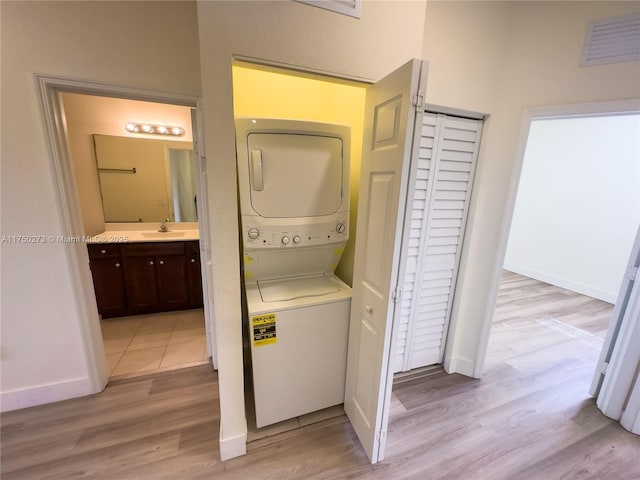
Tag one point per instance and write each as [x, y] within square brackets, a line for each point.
[612, 40]
[346, 7]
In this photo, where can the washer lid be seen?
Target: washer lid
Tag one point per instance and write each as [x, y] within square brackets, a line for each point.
[292, 288]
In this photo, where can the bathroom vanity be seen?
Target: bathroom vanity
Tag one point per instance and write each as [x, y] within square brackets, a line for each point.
[146, 276]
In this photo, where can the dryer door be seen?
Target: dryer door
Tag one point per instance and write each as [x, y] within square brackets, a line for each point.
[294, 175]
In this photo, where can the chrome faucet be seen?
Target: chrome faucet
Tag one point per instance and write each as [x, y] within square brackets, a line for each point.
[164, 227]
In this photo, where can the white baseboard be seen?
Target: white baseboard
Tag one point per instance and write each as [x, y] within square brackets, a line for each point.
[42, 394]
[459, 365]
[563, 283]
[233, 446]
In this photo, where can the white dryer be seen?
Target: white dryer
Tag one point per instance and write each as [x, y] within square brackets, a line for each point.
[294, 199]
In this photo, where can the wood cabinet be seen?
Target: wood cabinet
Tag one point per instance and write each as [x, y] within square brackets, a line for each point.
[156, 276]
[173, 281]
[150, 277]
[108, 279]
[194, 273]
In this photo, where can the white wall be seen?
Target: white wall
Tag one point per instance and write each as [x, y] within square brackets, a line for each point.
[136, 44]
[578, 204]
[504, 58]
[387, 35]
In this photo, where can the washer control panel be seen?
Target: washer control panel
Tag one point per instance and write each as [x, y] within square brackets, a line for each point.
[264, 236]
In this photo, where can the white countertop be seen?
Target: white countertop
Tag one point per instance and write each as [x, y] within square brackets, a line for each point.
[141, 232]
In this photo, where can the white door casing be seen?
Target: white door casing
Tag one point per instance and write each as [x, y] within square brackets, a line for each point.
[391, 123]
[206, 262]
[49, 90]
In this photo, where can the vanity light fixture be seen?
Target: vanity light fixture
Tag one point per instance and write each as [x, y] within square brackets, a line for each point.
[154, 129]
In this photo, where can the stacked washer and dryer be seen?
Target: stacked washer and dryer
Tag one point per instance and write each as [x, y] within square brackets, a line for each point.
[294, 200]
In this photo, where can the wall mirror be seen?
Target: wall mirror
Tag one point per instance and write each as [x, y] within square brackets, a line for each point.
[146, 180]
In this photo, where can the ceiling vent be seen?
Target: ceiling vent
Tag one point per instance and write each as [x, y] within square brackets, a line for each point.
[346, 7]
[612, 40]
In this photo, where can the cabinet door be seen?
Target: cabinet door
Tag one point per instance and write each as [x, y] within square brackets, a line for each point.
[172, 281]
[195, 274]
[108, 283]
[141, 282]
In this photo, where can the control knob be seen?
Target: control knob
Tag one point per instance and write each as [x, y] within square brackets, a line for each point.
[296, 239]
[253, 233]
[285, 240]
[340, 227]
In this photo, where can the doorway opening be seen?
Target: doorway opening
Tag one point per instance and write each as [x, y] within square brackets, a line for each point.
[271, 92]
[96, 196]
[576, 214]
[129, 183]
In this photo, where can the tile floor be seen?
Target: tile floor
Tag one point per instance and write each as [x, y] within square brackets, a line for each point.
[151, 343]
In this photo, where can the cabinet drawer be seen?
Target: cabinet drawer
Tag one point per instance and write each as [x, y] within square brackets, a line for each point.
[103, 250]
[151, 248]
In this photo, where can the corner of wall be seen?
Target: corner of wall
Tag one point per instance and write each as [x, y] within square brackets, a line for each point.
[232, 447]
[460, 365]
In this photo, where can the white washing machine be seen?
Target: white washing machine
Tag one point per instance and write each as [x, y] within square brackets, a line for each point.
[294, 200]
[298, 331]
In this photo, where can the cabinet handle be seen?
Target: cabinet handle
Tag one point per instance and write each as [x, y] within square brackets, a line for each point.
[151, 262]
[117, 265]
[161, 262]
[193, 260]
[103, 251]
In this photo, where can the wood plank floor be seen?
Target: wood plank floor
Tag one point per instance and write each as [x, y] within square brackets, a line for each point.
[529, 417]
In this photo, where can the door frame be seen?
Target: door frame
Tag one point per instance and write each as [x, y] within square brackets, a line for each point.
[49, 89]
[613, 107]
[238, 406]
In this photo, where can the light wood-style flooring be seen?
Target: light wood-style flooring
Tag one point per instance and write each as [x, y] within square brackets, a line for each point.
[529, 417]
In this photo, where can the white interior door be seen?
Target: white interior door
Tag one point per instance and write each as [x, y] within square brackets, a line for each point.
[391, 123]
[440, 185]
[629, 357]
[616, 382]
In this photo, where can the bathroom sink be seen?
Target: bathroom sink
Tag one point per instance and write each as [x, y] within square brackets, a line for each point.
[168, 235]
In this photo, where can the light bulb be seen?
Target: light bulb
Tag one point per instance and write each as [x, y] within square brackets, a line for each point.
[153, 129]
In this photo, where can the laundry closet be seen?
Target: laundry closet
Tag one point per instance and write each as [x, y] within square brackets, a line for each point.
[436, 207]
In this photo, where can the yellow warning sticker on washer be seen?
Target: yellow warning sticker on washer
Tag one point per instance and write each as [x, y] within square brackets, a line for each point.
[263, 328]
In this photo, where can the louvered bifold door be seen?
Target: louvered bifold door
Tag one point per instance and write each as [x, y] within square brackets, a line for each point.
[437, 209]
